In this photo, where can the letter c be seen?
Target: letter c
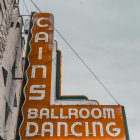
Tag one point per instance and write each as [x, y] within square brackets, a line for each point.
[39, 24]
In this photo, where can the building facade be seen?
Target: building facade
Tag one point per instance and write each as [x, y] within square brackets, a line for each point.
[11, 69]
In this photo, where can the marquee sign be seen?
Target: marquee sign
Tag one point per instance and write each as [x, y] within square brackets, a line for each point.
[44, 113]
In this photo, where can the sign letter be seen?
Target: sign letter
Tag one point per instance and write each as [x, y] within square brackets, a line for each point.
[44, 38]
[114, 129]
[34, 67]
[42, 18]
[94, 128]
[47, 130]
[42, 92]
[28, 134]
[73, 131]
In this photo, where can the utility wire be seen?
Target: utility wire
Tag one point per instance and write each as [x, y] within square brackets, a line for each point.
[84, 63]
[26, 7]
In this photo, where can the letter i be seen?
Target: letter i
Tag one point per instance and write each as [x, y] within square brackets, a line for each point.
[40, 53]
[86, 129]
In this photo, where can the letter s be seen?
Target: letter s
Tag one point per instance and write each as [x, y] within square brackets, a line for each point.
[42, 92]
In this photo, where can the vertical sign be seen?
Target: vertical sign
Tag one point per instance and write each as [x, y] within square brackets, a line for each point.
[44, 113]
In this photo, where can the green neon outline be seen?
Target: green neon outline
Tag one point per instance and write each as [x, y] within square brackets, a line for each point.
[58, 82]
[125, 123]
[24, 81]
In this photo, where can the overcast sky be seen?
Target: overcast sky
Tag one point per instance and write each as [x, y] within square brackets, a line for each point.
[106, 34]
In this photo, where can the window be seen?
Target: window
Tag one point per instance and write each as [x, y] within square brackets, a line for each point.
[13, 69]
[15, 2]
[7, 111]
[15, 101]
[12, 24]
[5, 73]
[18, 25]
[1, 138]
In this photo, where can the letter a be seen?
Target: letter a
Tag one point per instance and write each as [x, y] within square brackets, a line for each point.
[40, 38]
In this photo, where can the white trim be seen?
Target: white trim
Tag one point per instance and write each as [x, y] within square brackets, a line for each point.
[53, 100]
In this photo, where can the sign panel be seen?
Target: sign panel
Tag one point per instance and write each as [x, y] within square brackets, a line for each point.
[44, 113]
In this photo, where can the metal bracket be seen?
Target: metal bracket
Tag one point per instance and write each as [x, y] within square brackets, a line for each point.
[17, 78]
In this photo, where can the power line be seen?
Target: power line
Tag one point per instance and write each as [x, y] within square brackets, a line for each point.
[26, 7]
[84, 63]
